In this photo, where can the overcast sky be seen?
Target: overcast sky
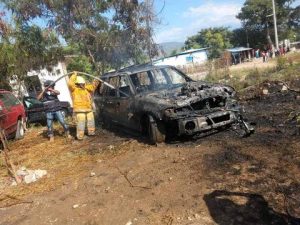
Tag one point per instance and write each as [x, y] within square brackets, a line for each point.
[183, 18]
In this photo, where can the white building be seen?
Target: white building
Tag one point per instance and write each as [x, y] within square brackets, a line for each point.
[33, 83]
[186, 58]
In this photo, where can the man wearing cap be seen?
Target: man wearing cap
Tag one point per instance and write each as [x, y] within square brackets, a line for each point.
[53, 108]
[82, 104]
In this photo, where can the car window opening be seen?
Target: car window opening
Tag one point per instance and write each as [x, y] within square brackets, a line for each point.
[157, 79]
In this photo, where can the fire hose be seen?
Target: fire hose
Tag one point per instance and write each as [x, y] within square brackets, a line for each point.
[89, 75]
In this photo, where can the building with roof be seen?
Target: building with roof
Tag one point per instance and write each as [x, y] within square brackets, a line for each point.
[240, 54]
[186, 58]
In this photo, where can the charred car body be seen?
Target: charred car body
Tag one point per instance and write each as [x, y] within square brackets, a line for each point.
[162, 101]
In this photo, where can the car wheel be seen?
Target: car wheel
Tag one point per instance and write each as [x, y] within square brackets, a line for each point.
[20, 130]
[156, 131]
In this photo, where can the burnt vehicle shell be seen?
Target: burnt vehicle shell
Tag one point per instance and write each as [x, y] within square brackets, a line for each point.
[161, 100]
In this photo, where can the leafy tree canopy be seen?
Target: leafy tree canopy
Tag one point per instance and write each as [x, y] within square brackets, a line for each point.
[256, 16]
[111, 33]
[24, 48]
[216, 39]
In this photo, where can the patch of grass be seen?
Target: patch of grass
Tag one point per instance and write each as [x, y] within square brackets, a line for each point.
[287, 68]
[282, 63]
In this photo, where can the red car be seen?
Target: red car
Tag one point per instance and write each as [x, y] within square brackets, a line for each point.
[12, 115]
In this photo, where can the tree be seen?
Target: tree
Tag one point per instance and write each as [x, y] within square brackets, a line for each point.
[24, 48]
[294, 23]
[216, 39]
[76, 61]
[244, 36]
[112, 33]
[256, 17]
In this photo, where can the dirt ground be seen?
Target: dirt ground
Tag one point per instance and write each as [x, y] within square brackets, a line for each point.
[255, 63]
[219, 179]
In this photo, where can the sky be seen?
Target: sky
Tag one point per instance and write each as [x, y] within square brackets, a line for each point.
[183, 18]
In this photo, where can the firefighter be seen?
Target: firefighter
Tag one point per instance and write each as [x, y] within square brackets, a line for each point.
[82, 104]
[53, 108]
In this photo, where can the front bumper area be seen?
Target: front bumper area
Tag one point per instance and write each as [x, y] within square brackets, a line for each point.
[189, 126]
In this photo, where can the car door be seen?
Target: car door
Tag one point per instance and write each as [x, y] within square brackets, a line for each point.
[9, 112]
[108, 101]
[3, 114]
[124, 102]
[35, 110]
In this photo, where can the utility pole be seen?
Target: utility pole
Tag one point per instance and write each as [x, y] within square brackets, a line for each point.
[275, 25]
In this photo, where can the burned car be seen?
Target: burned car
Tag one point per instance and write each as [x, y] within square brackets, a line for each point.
[161, 101]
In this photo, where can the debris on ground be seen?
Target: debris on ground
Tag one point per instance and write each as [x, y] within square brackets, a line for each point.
[111, 147]
[92, 174]
[269, 87]
[30, 176]
[75, 206]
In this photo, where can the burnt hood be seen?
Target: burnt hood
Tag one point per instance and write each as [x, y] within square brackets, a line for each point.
[190, 92]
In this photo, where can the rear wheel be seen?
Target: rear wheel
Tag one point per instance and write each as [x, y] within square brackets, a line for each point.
[20, 130]
[155, 130]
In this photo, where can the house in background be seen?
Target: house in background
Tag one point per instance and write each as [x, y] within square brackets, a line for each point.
[187, 58]
[33, 83]
[240, 54]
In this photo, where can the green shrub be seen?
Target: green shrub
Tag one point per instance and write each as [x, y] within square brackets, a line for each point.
[254, 76]
[282, 63]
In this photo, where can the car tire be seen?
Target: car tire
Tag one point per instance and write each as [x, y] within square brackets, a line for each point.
[155, 130]
[20, 130]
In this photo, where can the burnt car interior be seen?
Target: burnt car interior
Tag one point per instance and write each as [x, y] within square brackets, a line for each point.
[121, 84]
[154, 80]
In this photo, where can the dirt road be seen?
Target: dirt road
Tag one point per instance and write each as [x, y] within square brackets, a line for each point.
[220, 179]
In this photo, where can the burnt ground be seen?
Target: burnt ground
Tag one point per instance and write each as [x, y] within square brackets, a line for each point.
[220, 179]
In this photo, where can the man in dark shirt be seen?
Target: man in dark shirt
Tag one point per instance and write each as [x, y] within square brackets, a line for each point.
[53, 108]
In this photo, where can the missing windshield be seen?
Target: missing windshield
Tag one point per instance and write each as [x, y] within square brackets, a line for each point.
[157, 79]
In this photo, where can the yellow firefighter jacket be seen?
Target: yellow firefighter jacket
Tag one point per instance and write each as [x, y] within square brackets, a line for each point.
[82, 97]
